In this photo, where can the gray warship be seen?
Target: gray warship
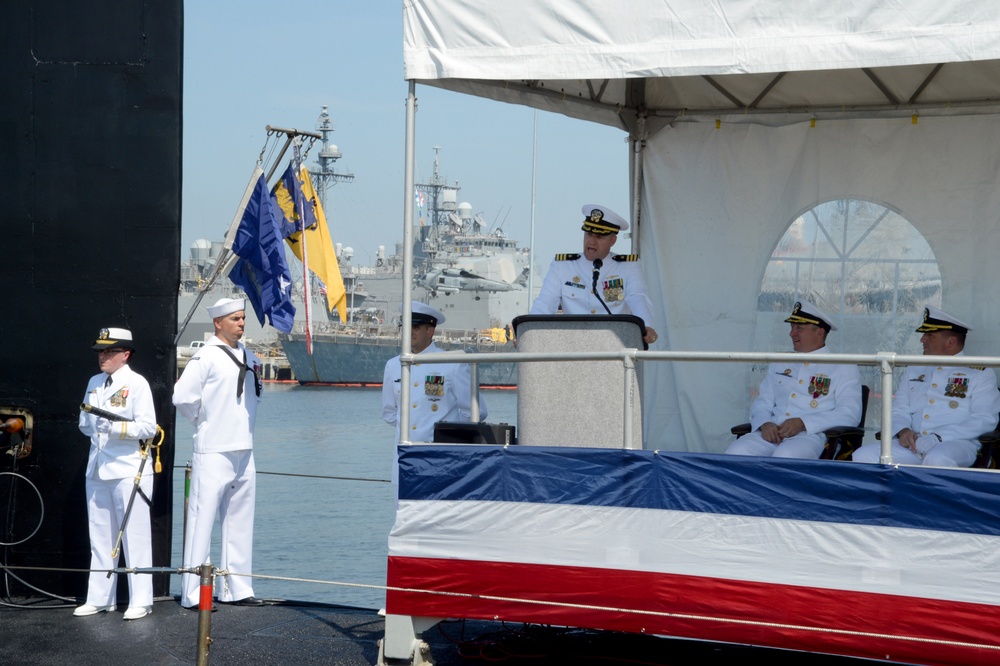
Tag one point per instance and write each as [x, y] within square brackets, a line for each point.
[475, 275]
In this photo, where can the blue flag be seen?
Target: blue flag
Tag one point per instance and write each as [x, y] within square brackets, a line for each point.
[262, 271]
[296, 209]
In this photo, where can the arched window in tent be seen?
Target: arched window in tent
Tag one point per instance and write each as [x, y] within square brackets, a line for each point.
[863, 263]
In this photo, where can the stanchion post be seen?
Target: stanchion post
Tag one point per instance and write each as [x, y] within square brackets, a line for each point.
[187, 499]
[204, 612]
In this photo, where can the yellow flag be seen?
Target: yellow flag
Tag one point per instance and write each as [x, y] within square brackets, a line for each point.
[319, 246]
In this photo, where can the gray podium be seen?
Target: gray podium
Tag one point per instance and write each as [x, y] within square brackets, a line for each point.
[577, 403]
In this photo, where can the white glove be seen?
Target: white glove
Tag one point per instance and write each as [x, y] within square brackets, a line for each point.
[103, 425]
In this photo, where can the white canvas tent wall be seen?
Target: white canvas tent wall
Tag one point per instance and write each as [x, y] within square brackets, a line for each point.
[742, 115]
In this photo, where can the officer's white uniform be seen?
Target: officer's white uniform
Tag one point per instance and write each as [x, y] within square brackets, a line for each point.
[111, 469]
[822, 395]
[438, 392]
[223, 476]
[948, 407]
[569, 286]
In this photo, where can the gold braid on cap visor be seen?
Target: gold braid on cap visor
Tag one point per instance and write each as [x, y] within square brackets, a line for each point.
[928, 327]
[599, 228]
[799, 319]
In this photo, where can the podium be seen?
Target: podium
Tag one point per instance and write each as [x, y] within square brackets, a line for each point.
[577, 403]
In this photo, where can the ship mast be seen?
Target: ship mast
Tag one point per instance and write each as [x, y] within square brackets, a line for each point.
[441, 207]
[323, 175]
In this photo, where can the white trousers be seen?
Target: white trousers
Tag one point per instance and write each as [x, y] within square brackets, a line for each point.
[951, 453]
[803, 445]
[222, 484]
[106, 502]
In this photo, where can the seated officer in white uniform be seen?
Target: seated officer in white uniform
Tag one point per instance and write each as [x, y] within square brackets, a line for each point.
[796, 402]
[438, 391]
[939, 412]
[579, 284]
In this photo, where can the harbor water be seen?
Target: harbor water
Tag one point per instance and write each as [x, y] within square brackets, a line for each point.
[308, 525]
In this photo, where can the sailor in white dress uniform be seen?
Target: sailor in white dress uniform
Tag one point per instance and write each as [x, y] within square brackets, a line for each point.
[219, 392]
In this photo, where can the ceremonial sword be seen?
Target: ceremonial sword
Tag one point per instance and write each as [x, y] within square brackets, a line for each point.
[143, 452]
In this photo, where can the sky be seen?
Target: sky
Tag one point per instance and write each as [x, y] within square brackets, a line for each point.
[250, 64]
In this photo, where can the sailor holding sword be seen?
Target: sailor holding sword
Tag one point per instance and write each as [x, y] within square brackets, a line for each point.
[115, 461]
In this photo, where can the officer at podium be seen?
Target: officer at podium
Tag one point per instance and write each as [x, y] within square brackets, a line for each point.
[591, 283]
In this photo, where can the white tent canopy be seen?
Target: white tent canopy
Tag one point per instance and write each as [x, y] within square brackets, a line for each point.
[674, 58]
[745, 118]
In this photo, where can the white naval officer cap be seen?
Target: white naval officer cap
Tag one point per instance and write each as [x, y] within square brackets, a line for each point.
[601, 220]
[936, 319]
[113, 338]
[804, 312]
[421, 313]
[225, 306]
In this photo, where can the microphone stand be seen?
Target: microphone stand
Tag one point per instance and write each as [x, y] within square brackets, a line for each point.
[597, 272]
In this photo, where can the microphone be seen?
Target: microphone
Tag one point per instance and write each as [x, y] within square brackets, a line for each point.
[597, 272]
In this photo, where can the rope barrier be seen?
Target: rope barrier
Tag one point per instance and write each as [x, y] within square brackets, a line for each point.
[315, 476]
[532, 602]
[322, 476]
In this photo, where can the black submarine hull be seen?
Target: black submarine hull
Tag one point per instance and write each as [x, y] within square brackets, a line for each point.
[91, 124]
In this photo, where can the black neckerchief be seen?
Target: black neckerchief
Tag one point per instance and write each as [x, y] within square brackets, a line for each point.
[243, 372]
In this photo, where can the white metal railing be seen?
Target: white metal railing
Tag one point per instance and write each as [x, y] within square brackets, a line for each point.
[885, 361]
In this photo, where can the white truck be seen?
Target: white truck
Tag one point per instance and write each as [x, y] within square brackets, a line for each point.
[191, 349]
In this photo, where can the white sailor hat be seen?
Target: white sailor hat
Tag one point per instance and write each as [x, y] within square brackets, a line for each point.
[113, 338]
[804, 312]
[225, 306]
[936, 319]
[425, 314]
[601, 220]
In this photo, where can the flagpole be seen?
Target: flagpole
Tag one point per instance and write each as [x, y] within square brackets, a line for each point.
[300, 209]
[531, 235]
[406, 310]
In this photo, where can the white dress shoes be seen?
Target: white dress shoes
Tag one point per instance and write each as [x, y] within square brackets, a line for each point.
[87, 609]
[137, 613]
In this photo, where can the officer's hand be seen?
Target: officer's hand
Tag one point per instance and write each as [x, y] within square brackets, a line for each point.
[908, 439]
[791, 427]
[650, 336]
[103, 425]
[769, 432]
